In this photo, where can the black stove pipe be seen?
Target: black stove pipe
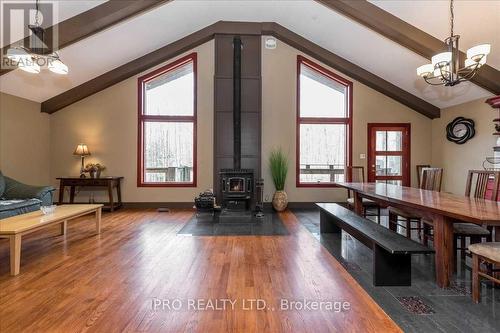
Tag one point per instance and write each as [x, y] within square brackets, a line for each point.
[237, 102]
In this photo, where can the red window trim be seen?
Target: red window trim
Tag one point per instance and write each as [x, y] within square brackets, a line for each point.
[142, 118]
[347, 121]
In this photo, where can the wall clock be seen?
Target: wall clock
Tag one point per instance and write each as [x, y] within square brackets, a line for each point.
[460, 130]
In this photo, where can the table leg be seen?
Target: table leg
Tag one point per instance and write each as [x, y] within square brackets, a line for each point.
[98, 214]
[15, 254]
[64, 227]
[497, 239]
[61, 193]
[110, 195]
[72, 195]
[358, 204]
[443, 244]
[119, 192]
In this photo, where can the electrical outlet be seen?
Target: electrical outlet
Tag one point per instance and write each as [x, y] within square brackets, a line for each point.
[362, 156]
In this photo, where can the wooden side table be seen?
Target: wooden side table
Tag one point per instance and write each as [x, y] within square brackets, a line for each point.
[109, 183]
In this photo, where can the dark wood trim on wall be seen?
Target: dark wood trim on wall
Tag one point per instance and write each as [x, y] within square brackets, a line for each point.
[406, 35]
[92, 21]
[245, 28]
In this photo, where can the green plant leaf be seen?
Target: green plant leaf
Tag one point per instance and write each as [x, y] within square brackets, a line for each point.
[278, 163]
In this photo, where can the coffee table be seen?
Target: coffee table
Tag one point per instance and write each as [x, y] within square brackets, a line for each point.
[17, 226]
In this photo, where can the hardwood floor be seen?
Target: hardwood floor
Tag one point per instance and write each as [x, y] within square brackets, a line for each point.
[109, 282]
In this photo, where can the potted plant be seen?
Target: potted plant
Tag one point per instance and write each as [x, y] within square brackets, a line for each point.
[100, 168]
[278, 163]
[91, 169]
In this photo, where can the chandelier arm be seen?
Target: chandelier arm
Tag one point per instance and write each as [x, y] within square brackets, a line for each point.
[428, 80]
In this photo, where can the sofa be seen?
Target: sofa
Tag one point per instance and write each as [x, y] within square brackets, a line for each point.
[18, 198]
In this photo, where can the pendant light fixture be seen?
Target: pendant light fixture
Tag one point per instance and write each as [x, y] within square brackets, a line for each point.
[31, 59]
[445, 69]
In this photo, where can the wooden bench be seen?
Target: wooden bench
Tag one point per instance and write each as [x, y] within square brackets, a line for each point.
[391, 251]
[17, 226]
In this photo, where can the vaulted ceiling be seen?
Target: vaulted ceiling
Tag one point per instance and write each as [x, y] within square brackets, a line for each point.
[342, 35]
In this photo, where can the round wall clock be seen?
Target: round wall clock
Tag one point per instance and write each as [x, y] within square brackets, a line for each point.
[460, 130]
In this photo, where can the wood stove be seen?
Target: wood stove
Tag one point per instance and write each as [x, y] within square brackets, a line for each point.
[237, 184]
[237, 188]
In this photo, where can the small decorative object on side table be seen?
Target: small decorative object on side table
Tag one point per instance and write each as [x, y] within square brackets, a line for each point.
[109, 183]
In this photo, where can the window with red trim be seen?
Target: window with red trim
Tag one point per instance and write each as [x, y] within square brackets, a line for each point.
[324, 125]
[167, 125]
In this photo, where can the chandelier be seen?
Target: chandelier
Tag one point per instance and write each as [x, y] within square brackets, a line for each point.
[30, 59]
[445, 67]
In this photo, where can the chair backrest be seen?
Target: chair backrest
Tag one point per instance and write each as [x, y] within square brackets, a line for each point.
[419, 172]
[357, 175]
[483, 184]
[431, 179]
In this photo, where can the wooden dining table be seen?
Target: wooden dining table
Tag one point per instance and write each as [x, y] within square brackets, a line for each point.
[439, 208]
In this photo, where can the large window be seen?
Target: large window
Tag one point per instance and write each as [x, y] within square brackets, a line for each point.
[167, 125]
[324, 125]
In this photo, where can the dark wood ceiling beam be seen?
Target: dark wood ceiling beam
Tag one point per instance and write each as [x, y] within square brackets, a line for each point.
[406, 35]
[187, 43]
[91, 22]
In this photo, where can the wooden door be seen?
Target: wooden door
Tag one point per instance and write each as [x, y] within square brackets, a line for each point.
[389, 153]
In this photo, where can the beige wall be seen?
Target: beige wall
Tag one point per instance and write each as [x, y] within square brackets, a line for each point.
[458, 159]
[24, 140]
[279, 68]
[107, 123]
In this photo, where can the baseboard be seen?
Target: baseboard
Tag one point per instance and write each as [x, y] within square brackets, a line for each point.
[173, 205]
[189, 205]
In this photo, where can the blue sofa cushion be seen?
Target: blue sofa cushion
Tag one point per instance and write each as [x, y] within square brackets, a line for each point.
[2, 184]
[10, 208]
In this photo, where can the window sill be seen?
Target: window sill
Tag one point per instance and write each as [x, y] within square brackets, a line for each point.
[316, 185]
[166, 185]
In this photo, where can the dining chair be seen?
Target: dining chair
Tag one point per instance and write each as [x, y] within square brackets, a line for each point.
[487, 252]
[357, 174]
[481, 184]
[431, 180]
[419, 172]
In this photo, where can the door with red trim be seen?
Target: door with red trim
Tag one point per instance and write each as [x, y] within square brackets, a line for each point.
[389, 153]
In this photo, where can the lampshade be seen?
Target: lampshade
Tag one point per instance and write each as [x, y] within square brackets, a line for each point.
[425, 70]
[18, 55]
[478, 51]
[442, 58]
[81, 150]
[58, 67]
[29, 66]
[470, 62]
[440, 71]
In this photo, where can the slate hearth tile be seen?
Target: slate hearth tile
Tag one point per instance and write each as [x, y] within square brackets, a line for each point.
[415, 305]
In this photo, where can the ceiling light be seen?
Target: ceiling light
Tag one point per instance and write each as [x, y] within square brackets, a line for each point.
[29, 66]
[445, 67]
[29, 59]
[58, 67]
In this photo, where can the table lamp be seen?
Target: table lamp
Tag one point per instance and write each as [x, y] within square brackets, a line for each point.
[82, 150]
